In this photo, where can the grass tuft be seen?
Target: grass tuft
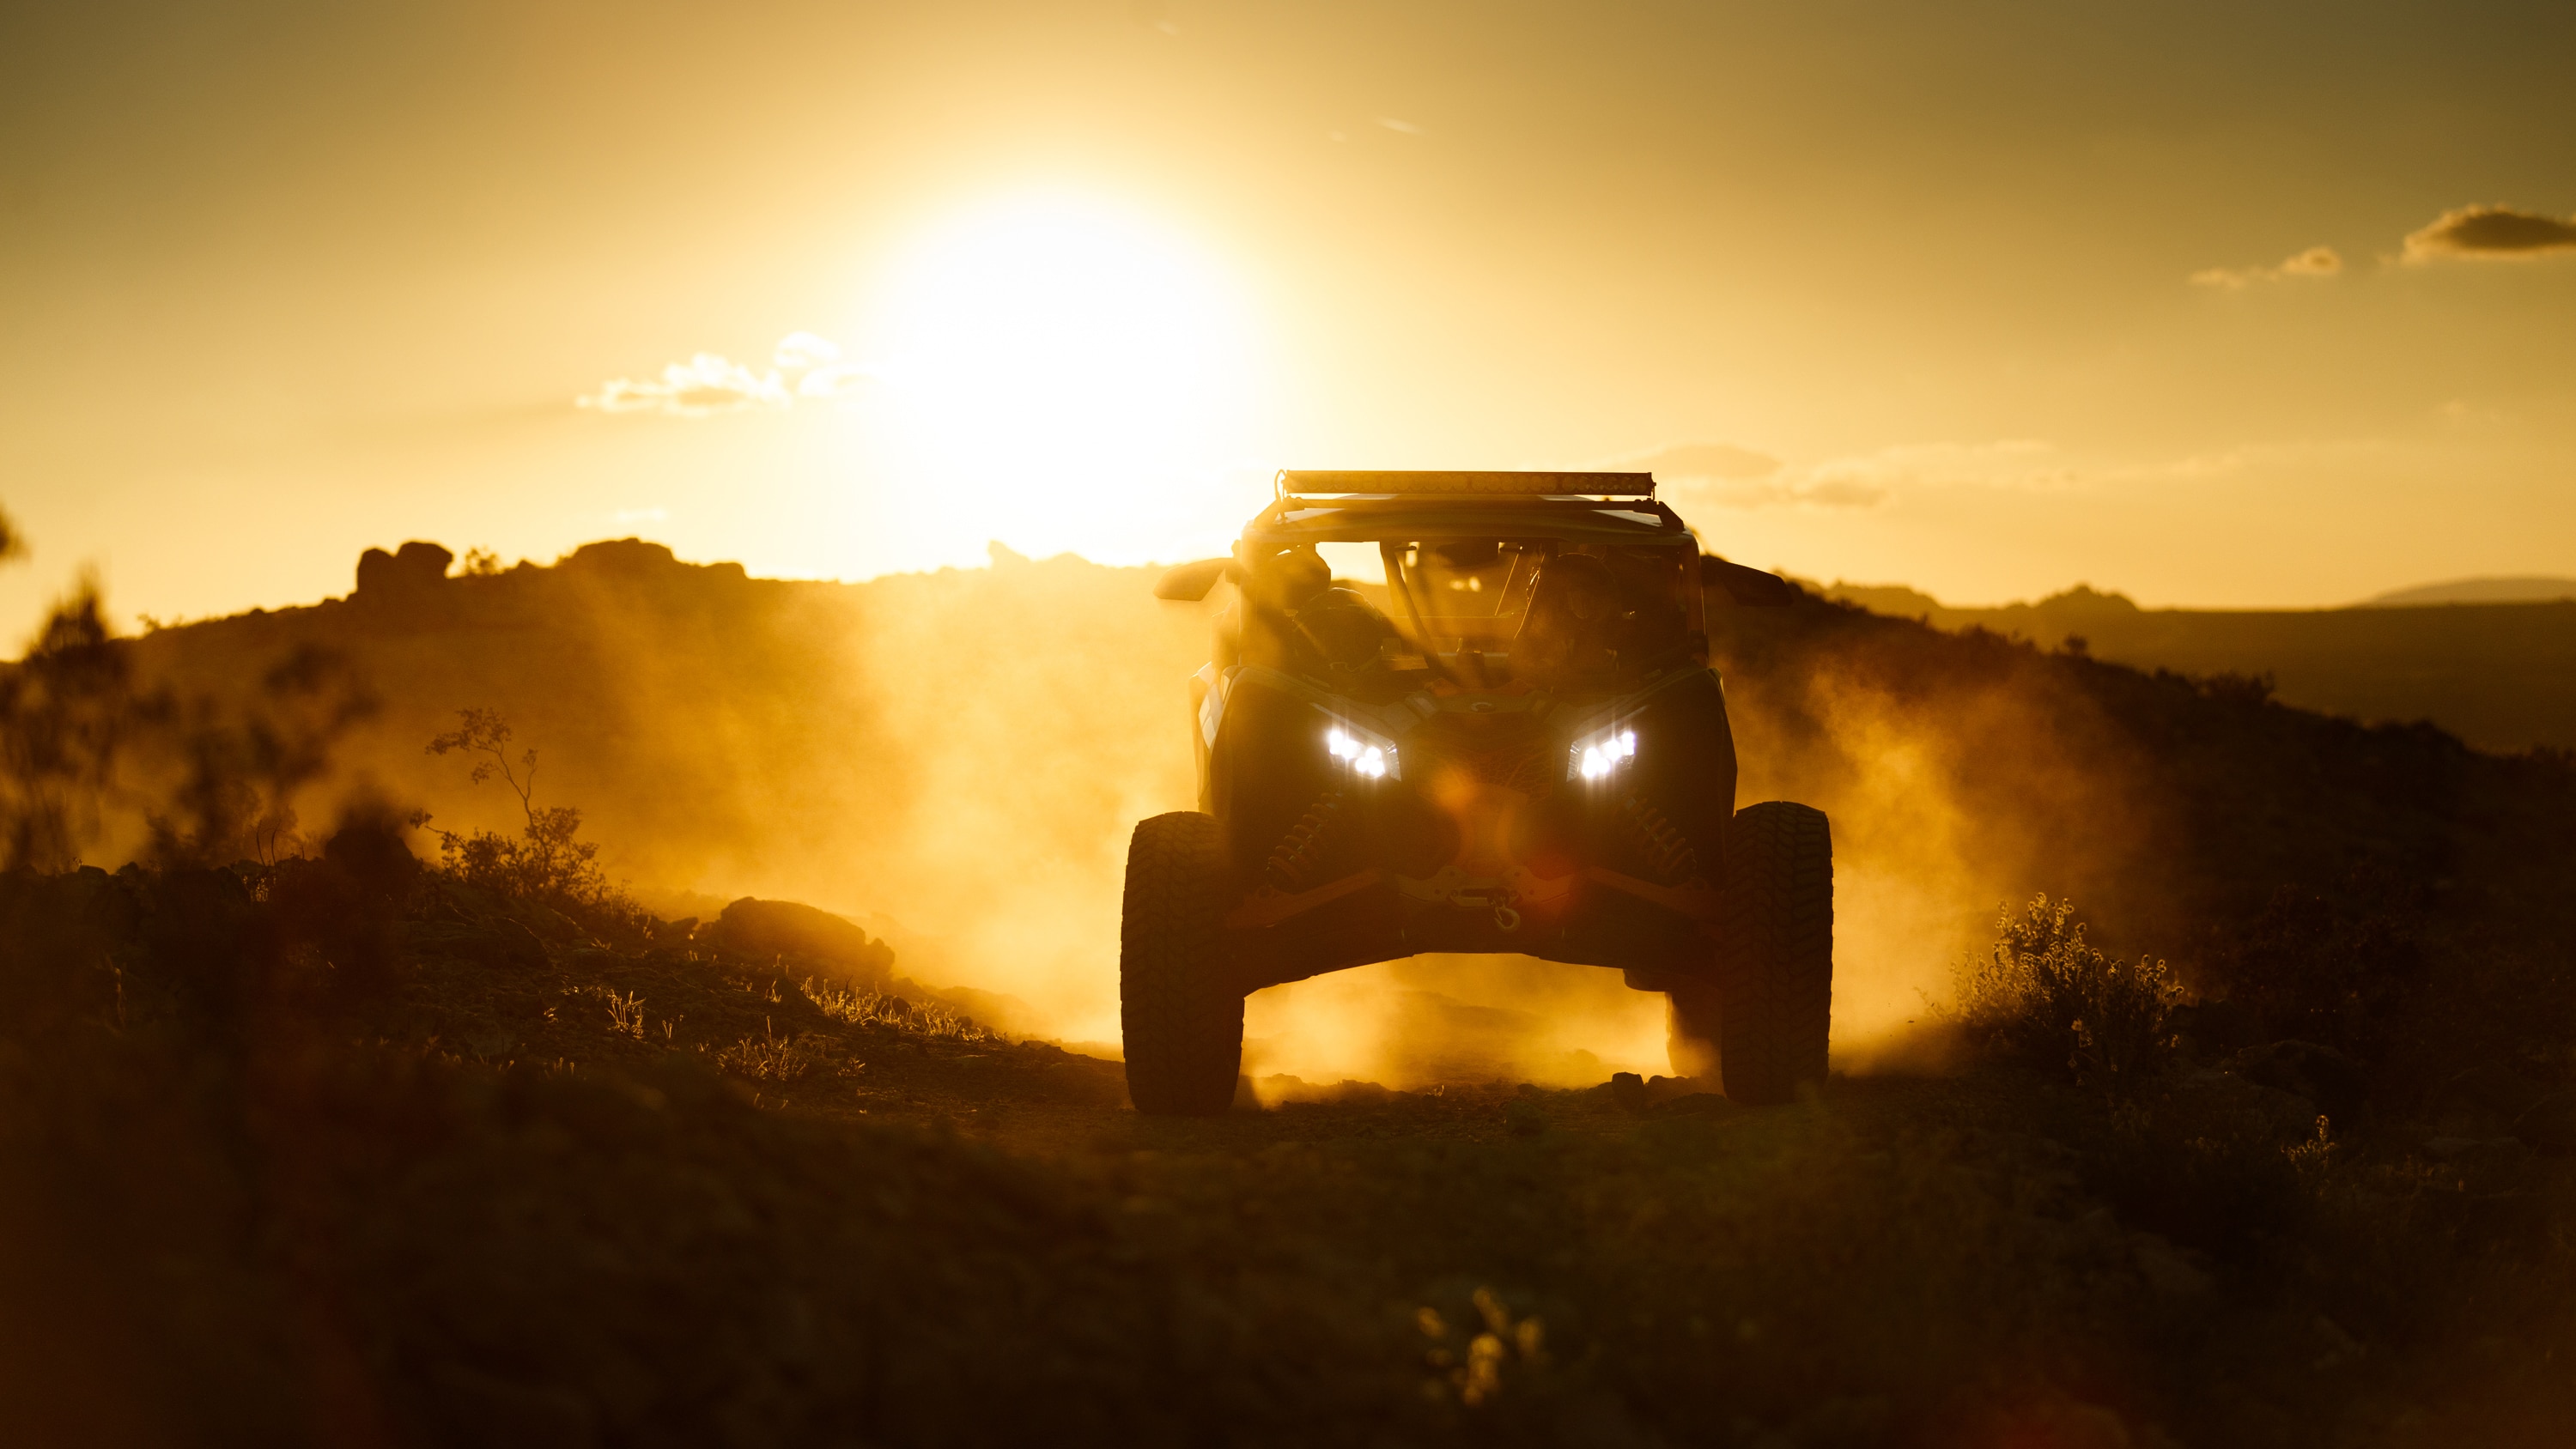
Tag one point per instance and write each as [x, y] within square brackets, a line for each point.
[879, 1008]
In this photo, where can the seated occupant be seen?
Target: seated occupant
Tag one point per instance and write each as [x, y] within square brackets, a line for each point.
[1573, 624]
[1274, 587]
[1649, 583]
[1285, 579]
[1346, 628]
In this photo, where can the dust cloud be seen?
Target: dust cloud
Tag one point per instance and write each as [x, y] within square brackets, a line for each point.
[1434, 1019]
[955, 759]
[1948, 795]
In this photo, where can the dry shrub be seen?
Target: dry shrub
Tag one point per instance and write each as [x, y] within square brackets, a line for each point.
[547, 863]
[2043, 994]
[224, 779]
[87, 752]
[878, 1008]
[67, 712]
[770, 1057]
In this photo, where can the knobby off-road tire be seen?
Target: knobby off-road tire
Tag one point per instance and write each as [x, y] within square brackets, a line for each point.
[1768, 1013]
[1182, 1022]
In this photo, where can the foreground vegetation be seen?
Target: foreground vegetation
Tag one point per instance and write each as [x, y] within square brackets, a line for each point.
[347, 1149]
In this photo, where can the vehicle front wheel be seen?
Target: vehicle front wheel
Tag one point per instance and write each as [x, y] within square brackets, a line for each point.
[1767, 1016]
[1181, 1019]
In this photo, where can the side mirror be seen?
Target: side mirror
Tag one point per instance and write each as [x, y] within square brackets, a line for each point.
[1188, 583]
[1747, 588]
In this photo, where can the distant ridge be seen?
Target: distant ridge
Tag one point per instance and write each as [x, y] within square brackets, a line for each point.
[2476, 591]
[2496, 668]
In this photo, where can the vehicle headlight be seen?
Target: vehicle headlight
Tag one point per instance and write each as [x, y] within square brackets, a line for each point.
[1369, 755]
[1597, 755]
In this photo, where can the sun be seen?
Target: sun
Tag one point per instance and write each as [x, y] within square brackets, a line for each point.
[1065, 373]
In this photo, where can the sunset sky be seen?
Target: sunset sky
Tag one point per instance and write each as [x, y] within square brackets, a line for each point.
[2186, 300]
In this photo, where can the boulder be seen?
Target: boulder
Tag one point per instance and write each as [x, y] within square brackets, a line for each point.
[1628, 1091]
[630, 558]
[753, 927]
[408, 573]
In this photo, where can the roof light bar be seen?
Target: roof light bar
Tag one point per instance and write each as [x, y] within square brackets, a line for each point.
[1309, 483]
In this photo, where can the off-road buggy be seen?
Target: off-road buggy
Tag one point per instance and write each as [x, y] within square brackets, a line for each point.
[1496, 730]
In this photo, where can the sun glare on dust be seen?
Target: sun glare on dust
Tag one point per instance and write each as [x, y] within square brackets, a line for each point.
[1057, 373]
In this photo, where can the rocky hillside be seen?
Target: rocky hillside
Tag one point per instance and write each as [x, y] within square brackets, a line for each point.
[965, 751]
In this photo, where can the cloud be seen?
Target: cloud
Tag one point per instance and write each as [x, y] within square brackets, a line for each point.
[2490, 232]
[2030, 467]
[1733, 477]
[1864, 480]
[1705, 460]
[1400, 126]
[804, 349]
[710, 383]
[703, 386]
[2314, 262]
[1869, 477]
[1821, 492]
[1841, 492]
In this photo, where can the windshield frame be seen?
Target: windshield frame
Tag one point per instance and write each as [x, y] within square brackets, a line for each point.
[1465, 650]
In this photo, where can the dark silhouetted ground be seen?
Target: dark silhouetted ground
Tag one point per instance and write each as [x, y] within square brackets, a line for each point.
[342, 1151]
[525, 1186]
